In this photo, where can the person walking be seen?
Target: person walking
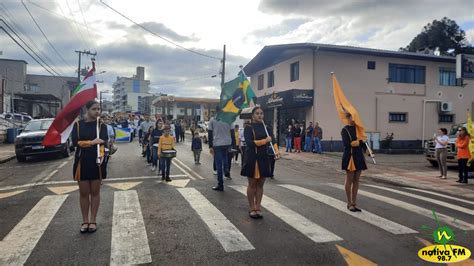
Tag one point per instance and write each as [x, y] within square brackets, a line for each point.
[256, 165]
[297, 137]
[219, 144]
[177, 128]
[308, 137]
[196, 147]
[442, 140]
[318, 136]
[462, 144]
[86, 171]
[155, 135]
[353, 162]
[145, 127]
[165, 143]
[289, 138]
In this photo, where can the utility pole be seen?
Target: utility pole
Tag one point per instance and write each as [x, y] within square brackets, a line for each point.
[79, 65]
[223, 68]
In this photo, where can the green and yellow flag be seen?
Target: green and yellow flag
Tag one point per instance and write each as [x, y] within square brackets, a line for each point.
[235, 96]
[471, 142]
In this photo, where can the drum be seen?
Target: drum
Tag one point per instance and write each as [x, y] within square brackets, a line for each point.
[155, 145]
[168, 154]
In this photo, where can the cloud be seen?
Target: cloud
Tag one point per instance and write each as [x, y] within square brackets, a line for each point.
[283, 28]
[161, 29]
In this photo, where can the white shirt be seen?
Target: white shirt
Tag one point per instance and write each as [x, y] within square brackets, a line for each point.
[443, 138]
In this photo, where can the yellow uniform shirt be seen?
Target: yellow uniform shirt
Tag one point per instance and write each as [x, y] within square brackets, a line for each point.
[166, 143]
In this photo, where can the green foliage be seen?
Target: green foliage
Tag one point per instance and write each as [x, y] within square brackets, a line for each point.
[444, 34]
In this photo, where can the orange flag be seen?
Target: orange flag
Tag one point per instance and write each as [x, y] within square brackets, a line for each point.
[343, 106]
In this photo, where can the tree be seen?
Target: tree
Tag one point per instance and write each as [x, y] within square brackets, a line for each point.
[444, 34]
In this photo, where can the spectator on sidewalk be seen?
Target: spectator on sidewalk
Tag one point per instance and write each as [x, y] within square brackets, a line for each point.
[308, 138]
[289, 138]
[318, 136]
[297, 137]
[462, 143]
[441, 148]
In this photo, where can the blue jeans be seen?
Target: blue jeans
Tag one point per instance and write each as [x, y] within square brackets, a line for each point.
[317, 145]
[222, 163]
[288, 144]
[166, 164]
[155, 161]
[308, 144]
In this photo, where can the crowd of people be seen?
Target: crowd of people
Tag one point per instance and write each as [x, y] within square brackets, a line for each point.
[298, 139]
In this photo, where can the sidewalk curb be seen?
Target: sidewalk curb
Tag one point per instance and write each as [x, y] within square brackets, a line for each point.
[7, 159]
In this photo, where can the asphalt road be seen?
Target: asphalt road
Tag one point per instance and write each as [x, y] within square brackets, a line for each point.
[142, 220]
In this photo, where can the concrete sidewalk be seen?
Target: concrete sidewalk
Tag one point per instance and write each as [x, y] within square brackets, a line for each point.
[7, 152]
[410, 170]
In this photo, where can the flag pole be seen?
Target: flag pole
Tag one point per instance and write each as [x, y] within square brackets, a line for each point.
[98, 145]
[263, 122]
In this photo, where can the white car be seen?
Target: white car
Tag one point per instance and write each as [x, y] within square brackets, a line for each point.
[203, 124]
[21, 118]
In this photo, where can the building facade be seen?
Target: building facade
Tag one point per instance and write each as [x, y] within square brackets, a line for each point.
[129, 91]
[408, 94]
[37, 95]
[195, 109]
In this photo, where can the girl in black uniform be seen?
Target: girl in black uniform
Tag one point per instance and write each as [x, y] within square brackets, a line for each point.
[256, 164]
[86, 171]
[353, 161]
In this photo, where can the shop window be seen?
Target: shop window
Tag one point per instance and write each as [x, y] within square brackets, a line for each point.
[370, 64]
[406, 73]
[260, 82]
[398, 117]
[295, 71]
[270, 79]
[446, 118]
[447, 77]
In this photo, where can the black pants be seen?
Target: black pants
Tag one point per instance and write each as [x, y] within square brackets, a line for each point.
[242, 158]
[272, 166]
[166, 166]
[462, 168]
[148, 154]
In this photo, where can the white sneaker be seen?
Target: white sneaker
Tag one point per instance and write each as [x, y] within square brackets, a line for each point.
[153, 168]
[214, 172]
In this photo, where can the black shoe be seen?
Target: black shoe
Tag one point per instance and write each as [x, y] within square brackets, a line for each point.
[459, 180]
[168, 179]
[163, 178]
[217, 188]
[464, 181]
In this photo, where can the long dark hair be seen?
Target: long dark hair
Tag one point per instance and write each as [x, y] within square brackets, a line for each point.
[89, 104]
[465, 132]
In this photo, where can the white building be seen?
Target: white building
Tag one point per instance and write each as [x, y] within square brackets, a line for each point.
[128, 92]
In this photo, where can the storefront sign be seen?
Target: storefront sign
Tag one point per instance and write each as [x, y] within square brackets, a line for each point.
[289, 98]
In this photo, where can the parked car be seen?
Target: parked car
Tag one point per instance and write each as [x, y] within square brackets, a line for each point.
[430, 152]
[14, 117]
[29, 141]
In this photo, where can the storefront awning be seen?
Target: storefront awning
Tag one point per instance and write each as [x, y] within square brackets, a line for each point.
[288, 99]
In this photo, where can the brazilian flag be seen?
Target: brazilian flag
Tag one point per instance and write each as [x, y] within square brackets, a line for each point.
[235, 96]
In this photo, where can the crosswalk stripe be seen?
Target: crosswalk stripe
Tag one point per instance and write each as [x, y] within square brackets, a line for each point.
[413, 208]
[313, 231]
[63, 189]
[434, 201]
[190, 170]
[10, 194]
[440, 195]
[182, 170]
[365, 216]
[17, 246]
[223, 230]
[124, 185]
[129, 243]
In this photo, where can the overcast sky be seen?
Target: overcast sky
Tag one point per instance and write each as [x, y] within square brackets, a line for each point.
[245, 26]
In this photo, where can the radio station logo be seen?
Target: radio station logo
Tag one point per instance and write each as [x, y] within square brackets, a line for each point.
[443, 251]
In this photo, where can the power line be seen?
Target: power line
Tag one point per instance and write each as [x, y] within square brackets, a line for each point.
[11, 37]
[20, 29]
[75, 22]
[157, 35]
[44, 35]
[33, 51]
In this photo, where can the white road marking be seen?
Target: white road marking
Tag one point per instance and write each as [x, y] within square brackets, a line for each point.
[365, 216]
[129, 239]
[75, 182]
[48, 177]
[223, 230]
[313, 231]
[189, 169]
[63, 164]
[440, 195]
[413, 208]
[17, 246]
[430, 200]
[10, 194]
[182, 170]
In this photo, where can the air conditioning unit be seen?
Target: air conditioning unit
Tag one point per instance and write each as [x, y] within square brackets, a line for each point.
[446, 107]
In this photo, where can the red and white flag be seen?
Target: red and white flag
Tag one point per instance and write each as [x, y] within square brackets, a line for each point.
[62, 125]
